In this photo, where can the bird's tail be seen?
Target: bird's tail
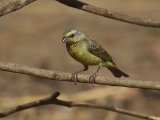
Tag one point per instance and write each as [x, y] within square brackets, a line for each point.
[115, 71]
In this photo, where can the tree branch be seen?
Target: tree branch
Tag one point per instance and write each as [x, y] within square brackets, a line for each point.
[53, 100]
[110, 14]
[8, 6]
[61, 76]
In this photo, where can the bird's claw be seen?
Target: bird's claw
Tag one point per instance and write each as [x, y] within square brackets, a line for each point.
[74, 77]
[92, 78]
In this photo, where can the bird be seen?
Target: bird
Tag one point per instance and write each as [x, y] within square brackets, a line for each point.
[89, 53]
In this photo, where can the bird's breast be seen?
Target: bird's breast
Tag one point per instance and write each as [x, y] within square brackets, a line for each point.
[82, 55]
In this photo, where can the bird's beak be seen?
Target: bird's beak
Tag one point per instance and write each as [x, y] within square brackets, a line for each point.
[64, 40]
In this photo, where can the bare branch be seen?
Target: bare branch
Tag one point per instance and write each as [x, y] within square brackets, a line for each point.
[61, 76]
[53, 100]
[19, 108]
[7, 6]
[110, 14]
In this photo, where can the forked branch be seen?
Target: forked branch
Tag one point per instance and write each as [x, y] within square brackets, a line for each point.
[53, 100]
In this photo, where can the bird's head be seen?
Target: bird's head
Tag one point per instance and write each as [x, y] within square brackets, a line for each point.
[72, 36]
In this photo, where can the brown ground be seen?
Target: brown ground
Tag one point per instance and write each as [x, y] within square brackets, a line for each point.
[32, 36]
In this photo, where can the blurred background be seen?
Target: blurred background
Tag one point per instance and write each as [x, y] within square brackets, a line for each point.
[33, 36]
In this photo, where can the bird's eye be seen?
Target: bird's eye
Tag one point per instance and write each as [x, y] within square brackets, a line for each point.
[72, 35]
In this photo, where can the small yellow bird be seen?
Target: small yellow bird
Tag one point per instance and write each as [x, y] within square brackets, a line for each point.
[88, 52]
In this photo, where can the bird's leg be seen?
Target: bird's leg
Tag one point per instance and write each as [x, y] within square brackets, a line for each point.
[75, 74]
[92, 78]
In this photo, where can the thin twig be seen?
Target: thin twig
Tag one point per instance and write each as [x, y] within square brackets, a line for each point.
[61, 76]
[110, 14]
[8, 6]
[53, 100]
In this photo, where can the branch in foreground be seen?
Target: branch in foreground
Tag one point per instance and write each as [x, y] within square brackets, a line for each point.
[110, 14]
[53, 100]
[7, 6]
[61, 76]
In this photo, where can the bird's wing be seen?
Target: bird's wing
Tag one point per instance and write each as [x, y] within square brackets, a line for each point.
[97, 50]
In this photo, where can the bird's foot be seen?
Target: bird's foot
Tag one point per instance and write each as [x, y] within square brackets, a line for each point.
[74, 77]
[92, 78]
